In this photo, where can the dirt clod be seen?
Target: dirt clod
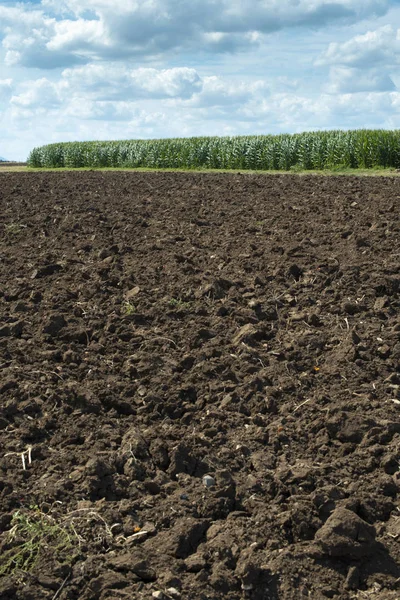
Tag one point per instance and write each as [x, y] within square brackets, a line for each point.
[346, 535]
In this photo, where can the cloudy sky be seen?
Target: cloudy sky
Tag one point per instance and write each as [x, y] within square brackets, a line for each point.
[101, 69]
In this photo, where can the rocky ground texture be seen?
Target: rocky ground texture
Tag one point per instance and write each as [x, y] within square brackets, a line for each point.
[199, 386]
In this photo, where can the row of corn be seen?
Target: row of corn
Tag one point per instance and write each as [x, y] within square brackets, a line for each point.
[315, 150]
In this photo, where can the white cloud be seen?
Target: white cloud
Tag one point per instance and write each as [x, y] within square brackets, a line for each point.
[25, 35]
[217, 91]
[370, 49]
[41, 93]
[111, 81]
[82, 35]
[84, 109]
[96, 29]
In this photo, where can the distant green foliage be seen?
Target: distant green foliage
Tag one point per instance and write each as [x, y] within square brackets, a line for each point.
[316, 150]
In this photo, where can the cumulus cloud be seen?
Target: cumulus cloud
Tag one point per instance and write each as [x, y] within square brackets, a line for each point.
[39, 93]
[363, 63]
[374, 47]
[102, 92]
[74, 32]
[86, 36]
[25, 37]
[217, 91]
[84, 109]
[107, 82]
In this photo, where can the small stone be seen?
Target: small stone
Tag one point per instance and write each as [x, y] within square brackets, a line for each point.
[173, 592]
[158, 595]
[208, 481]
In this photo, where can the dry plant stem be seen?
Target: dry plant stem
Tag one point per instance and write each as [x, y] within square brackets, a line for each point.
[302, 404]
[58, 592]
[28, 452]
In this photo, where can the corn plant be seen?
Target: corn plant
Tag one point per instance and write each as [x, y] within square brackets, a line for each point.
[312, 150]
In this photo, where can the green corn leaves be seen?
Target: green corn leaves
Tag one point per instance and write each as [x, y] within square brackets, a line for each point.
[314, 150]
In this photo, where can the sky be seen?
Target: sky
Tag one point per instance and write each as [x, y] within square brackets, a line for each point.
[131, 69]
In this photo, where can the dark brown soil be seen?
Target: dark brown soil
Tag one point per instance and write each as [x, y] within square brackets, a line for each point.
[157, 328]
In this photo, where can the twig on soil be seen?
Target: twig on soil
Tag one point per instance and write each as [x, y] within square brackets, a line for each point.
[164, 338]
[122, 538]
[347, 323]
[158, 338]
[61, 587]
[302, 404]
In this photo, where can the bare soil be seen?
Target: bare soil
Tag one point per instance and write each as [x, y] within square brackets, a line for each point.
[199, 386]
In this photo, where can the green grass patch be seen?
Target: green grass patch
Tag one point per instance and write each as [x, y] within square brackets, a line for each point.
[35, 535]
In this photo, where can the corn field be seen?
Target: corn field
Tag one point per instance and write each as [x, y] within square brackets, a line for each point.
[315, 150]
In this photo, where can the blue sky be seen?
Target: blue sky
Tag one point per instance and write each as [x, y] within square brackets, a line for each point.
[95, 69]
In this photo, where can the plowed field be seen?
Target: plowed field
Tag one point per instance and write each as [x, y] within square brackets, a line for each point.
[199, 386]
